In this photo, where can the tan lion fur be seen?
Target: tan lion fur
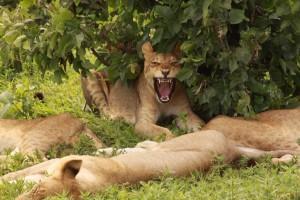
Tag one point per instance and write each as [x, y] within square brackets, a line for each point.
[27, 136]
[138, 104]
[273, 133]
[271, 130]
[178, 157]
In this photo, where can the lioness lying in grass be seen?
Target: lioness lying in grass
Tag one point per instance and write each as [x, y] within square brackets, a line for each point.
[28, 136]
[274, 133]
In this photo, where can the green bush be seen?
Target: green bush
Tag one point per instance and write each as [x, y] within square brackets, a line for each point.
[238, 56]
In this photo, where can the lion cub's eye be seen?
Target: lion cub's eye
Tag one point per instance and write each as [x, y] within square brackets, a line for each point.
[155, 63]
[175, 62]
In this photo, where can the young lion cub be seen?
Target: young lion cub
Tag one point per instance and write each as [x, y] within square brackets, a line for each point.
[274, 133]
[40, 134]
[156, 93]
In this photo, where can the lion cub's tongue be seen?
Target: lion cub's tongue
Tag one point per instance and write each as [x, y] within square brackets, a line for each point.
[164, 89]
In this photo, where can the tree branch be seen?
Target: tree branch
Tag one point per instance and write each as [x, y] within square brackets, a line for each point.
[101, 59]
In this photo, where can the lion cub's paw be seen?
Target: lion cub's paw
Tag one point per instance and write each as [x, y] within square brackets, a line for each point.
[162, 134]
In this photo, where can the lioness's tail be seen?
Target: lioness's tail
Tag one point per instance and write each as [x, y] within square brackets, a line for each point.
[96, 90]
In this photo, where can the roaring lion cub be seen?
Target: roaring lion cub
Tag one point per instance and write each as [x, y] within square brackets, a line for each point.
[27, 136]
[274, 133]
[156, 93]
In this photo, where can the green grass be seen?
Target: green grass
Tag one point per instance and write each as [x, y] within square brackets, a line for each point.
[262, 181]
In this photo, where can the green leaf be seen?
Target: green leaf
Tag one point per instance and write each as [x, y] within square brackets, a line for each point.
[191, 13]
[187, 46]
[79, 38]
[5, 17]
[233, 65]
[157, 37]
[283, 65]
[174, 27]
[296, 25]
[19, 40]
[164, 11]
[77, 2]
[243, 105]
[58, 75]
[295, 6]
[26, 45]
[129, 5]
[184, 74]
[207, 95]
[113, 5]
[53, 41]
[236, 16]
[226, 4]
[25, 4]
[243, 55]
[11, 36]
[60, 18]
[65, 44]
[238, 78]
[256, 87]
[281, 10]
[205, 10]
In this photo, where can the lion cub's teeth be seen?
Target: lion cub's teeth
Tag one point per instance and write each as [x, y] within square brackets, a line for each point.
[165, 81]
[165, 98]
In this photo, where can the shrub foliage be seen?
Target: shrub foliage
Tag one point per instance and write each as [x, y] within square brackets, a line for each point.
[238, 56]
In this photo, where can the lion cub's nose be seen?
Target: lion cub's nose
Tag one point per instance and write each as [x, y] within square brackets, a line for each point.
[165, 73]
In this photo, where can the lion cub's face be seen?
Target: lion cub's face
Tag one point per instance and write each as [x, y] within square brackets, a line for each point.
[160, 70]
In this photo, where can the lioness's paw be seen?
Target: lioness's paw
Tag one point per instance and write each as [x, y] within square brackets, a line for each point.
[284, 159]
[167, 134]
[148, 144]
[164, 136]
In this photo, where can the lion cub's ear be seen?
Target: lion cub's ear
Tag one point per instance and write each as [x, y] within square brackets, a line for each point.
[70, 169]
[176, 51]
[147, 50]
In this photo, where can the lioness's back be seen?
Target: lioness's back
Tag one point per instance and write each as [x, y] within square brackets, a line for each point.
[289, 118]
[271, 130]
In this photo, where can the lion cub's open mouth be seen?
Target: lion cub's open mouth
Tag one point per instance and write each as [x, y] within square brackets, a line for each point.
[164, 87]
